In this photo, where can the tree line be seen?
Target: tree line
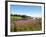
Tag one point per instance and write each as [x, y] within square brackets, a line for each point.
[23, 16]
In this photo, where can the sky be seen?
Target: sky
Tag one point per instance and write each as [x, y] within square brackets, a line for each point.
[34, 11]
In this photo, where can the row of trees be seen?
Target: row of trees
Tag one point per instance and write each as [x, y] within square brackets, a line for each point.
[23, 16]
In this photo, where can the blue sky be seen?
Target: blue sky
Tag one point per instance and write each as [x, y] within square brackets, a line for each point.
[34, 11]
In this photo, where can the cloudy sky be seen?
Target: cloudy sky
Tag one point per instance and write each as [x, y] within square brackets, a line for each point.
[34, 11]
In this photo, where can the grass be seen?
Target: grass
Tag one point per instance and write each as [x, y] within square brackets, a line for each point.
[35, 25]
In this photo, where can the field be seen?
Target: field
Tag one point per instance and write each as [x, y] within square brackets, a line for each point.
[25, 23]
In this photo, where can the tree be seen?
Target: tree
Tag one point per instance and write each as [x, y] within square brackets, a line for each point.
[23, 16]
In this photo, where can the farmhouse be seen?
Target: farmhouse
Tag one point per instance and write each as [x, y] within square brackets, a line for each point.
[35, 18]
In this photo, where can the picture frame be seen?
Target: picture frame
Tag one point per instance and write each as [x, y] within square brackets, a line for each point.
[7, 15]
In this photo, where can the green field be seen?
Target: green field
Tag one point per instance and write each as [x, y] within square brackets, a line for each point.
[27, 24]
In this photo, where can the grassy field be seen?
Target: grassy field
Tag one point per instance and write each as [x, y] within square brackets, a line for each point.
[25, 24]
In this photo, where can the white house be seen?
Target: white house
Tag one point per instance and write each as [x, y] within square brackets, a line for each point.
[35, 17]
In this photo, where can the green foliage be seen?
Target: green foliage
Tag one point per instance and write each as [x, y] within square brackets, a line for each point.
[22, 16]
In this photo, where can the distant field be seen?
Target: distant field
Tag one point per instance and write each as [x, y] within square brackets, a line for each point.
[25, 24]
[14, 18]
